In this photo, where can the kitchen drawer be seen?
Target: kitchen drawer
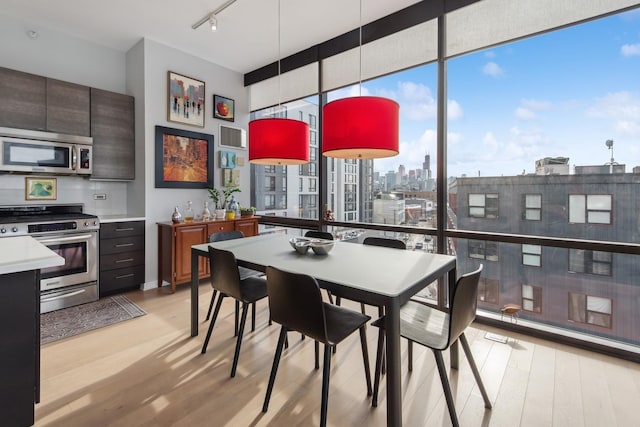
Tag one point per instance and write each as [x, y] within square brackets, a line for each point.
[219, 227]
[121, 229]
[121, 279]
[122, 260]
[122, 244]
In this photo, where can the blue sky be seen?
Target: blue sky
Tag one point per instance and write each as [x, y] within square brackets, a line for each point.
[562, 93]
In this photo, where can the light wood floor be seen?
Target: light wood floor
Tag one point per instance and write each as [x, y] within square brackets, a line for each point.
[149, 372]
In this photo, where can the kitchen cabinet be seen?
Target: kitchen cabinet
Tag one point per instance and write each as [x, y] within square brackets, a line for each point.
[121, 256]
[28, 101]
[23, 100]
[113, 132]
[175, 241]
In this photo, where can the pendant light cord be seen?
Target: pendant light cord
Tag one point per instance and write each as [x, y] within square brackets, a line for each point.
[360, 44]
[279, 54]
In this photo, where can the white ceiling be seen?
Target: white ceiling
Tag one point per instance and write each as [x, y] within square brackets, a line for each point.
[247, 35]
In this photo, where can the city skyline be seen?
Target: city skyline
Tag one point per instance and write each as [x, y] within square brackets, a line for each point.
[559, 94]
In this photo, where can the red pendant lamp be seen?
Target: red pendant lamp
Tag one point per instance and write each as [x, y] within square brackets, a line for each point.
[278, 141]
[362, 127]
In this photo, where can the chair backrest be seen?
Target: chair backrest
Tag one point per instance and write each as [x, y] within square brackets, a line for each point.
[226, 235]
[319, 235]
[225, 276]
[296, 303]
[463, 304]
[383, 241]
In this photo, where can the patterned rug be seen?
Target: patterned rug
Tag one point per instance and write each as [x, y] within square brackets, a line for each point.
[71, 321]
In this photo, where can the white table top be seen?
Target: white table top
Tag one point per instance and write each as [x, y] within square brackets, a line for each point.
[25, 253]
[379, 271]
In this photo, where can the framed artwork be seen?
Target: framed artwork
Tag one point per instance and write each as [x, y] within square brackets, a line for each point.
[223, 108]
[233, 137]
[184, 159]
[231, 177]
[40, 188]
[186, 100]
[227, 159]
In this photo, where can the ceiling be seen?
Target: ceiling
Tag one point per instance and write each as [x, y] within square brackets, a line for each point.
[248, 33]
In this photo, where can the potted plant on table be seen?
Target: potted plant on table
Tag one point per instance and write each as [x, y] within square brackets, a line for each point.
[220, 199]
[247, 212]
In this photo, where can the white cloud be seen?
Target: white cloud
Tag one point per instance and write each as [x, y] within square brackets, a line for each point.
[535, 104]
[492, 69]
[454, 110]
[525, 114]
[630, 50]
[622, 108]
[490, 54]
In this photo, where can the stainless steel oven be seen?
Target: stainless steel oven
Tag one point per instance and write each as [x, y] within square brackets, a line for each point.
[73, 235]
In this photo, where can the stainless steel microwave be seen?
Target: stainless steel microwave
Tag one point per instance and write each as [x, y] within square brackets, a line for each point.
[43, 152]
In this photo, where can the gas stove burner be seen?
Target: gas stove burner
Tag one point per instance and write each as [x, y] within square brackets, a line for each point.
[45, 219]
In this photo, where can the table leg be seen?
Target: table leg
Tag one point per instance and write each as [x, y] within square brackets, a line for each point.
[453, 349]
[194, 292]
[394, 368]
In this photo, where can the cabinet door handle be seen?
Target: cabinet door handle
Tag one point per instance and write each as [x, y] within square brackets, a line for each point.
[118, 261]
[124, 276]
[123, 245]
[124, 229]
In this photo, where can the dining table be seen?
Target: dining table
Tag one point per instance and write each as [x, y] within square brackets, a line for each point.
[377, 276]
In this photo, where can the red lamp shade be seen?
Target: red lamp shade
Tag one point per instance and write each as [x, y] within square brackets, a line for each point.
[364, 127]
[278, 142]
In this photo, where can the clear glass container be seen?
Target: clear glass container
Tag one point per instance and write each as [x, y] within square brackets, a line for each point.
[188, 213]
[206, 213]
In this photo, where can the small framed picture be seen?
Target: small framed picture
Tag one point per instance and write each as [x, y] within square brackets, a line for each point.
[40, 188]
[223, 108]
[186, 100]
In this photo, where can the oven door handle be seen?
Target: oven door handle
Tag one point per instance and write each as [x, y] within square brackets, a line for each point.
[63, 295]
[78, 238]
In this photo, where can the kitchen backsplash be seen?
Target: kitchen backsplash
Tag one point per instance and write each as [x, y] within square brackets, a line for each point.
[112, 196]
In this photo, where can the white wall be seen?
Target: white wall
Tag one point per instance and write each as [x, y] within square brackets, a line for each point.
[158, 60]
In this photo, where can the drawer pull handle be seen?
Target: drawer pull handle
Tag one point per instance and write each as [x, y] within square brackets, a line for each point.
[123, 245]
[124, 229]
[124, 276]
[118, 261]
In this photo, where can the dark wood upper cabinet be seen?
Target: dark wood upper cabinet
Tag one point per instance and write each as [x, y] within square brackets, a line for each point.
[68, 108]
[23, 99]
[113, 132]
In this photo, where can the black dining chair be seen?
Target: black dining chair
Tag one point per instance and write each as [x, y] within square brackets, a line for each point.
[225, 278]
[438, 330]
[296, 304]
[314, 234]
[244, 273]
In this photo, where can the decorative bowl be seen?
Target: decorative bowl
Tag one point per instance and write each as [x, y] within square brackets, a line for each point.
[321, 246]
[300, 244]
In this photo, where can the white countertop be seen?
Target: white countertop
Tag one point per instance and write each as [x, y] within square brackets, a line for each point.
[25, 253]
[119, 218]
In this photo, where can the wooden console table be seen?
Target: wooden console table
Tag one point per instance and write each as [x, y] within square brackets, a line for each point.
[175, 241]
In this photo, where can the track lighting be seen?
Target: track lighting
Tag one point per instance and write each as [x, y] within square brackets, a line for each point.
[213, 21]
[212, 17]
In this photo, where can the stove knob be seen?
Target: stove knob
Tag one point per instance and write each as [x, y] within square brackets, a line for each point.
[86, 223]
[95, 222]
[3, 230]
[14, 229]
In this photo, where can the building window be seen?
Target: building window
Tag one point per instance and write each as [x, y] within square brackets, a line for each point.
[301, 116]
[283, 202]
[590, 309]
[300, 186]
[483, 206]
[270, 201]
[590, 262]
[532, 298]
[488, 290]
[532, 209]
[532, 255]
[313, 121]
[269, 183]
[312, 184]
[590, 208]
[480, 249]
[313, 155]
[270, 169]
[312, 169]
[313, 138]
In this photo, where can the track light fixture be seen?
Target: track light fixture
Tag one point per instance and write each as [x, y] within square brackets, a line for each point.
[212, 17]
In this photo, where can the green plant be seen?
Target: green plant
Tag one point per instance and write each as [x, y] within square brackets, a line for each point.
[247, 211]
[220, 199]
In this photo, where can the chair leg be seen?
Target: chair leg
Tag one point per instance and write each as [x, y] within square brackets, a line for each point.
[363, 310]
[236, 355]
[474, 368]
[365, 357]
[274, 368]
[447, 388]
[338, 300]
[317, 350]
[235, 326]
[410, 351]
[378, 372]
[213, 296]
[326, 371]
[253, 317]
[213, 322]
